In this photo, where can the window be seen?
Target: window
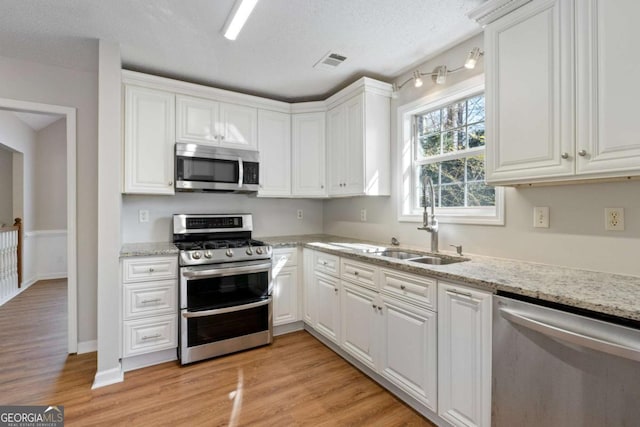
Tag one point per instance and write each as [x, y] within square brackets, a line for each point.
[444, 139]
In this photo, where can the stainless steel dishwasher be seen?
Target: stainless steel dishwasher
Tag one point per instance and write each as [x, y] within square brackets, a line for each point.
[556, 368]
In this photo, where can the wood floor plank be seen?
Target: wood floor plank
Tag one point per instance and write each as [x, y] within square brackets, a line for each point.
[296, 381]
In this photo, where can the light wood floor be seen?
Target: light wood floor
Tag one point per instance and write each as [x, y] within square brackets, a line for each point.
[297, 381]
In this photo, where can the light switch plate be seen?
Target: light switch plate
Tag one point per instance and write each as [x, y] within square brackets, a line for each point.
[541, 217]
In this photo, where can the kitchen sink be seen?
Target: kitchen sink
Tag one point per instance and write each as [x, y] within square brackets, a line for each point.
[418, 257]
[397, 254]
[436, 260]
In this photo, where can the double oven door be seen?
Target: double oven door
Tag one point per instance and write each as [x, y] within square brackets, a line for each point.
[224, 308]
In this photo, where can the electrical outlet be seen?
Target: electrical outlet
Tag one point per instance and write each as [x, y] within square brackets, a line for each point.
[614, 219]
[143, 215]
[541, 217]
[363, 215]
[300, 214]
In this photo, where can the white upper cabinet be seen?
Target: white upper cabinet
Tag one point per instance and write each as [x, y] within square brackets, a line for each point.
[529, 93]
[149, 136]
[205, 121]
[358, 145]
[274, 141]
[607, 96]
[559, 103]
[308, 151]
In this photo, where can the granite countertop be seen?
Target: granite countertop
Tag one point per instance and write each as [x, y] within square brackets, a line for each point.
[613, 294]
[148, 249]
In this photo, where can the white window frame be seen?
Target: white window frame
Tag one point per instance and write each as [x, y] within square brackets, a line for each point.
[406, 154]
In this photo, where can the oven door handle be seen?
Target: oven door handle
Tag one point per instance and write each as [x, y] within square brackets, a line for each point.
[190, 314]
[229, 271]
[240, 172]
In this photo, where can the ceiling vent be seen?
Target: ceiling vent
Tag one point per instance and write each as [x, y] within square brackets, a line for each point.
[330, 61]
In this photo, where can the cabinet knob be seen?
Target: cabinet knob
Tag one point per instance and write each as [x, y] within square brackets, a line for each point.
[335, 290]
[379, 308]
[151, 270]
[222, 137]
[170, 183]
[374, 306]
[565, 156]
[356, 273]
[322, 186]
[582, 153]
[403, 287]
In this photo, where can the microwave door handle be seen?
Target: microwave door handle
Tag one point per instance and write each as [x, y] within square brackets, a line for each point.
[190, 314]
[240, 172]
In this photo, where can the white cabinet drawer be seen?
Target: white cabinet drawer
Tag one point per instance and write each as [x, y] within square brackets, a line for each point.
[152, 334]
[327, 263]
[150, 299]
[285, 257]
[410, 288]
[140, 269]
[363, 274]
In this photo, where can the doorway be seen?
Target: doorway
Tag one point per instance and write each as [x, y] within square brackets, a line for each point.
[69, 116]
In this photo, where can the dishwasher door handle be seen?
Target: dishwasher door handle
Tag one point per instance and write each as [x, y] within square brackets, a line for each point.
[572, 337]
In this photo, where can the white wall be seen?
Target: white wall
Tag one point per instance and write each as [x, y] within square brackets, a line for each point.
[51, 177]
[271, 217]
[576, 237]
[6, 186]
[35, 82]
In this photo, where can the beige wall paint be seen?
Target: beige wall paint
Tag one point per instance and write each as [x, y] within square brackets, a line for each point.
[576, 237]
[50, 168]
[6, 186]
[68, 87]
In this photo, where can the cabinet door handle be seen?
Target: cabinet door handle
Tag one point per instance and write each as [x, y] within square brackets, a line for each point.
[151, 270]
[460, 293]
[582, 153]
[403, 287]
[565, 156]
[149, 301]
[150, 337]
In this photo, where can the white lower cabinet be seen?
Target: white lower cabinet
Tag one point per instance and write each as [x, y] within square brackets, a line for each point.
[285, 285]
[409, 344]
[308, 288]
[285, 296]
[464, 355]
[359, 322]
[327, 290]
[150, 306]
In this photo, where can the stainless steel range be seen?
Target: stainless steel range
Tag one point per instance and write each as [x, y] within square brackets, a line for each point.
[225, 286]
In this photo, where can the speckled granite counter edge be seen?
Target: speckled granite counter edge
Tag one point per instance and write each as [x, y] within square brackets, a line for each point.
[148, 249]
[553, 283]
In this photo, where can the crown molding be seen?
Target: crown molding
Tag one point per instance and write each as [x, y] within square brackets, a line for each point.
[493, 10]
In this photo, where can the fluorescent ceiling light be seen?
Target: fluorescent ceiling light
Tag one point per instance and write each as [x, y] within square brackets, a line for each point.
[238, 16]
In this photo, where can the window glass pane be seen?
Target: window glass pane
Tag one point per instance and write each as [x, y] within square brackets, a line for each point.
[452, 195]
[428, 123]
[454, 140]
[475, 109]
[480, 194]
[476, 135]
[454, 115]
[429, 145]
[475, 168]
[453, 171]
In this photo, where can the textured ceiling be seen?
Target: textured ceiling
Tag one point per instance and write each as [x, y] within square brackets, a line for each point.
[273, 55]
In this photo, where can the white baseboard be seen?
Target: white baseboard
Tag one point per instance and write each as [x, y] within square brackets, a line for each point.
[108, 377]
[87, 346]
[52, 276]
[150, 359]
[288, 328]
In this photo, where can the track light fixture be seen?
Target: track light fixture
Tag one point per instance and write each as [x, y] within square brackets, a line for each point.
[440, 73]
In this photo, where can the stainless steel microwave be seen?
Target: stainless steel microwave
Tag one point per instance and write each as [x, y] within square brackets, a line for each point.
[202, 167]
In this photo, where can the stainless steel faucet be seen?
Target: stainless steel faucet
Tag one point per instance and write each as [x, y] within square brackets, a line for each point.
[429, 222]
